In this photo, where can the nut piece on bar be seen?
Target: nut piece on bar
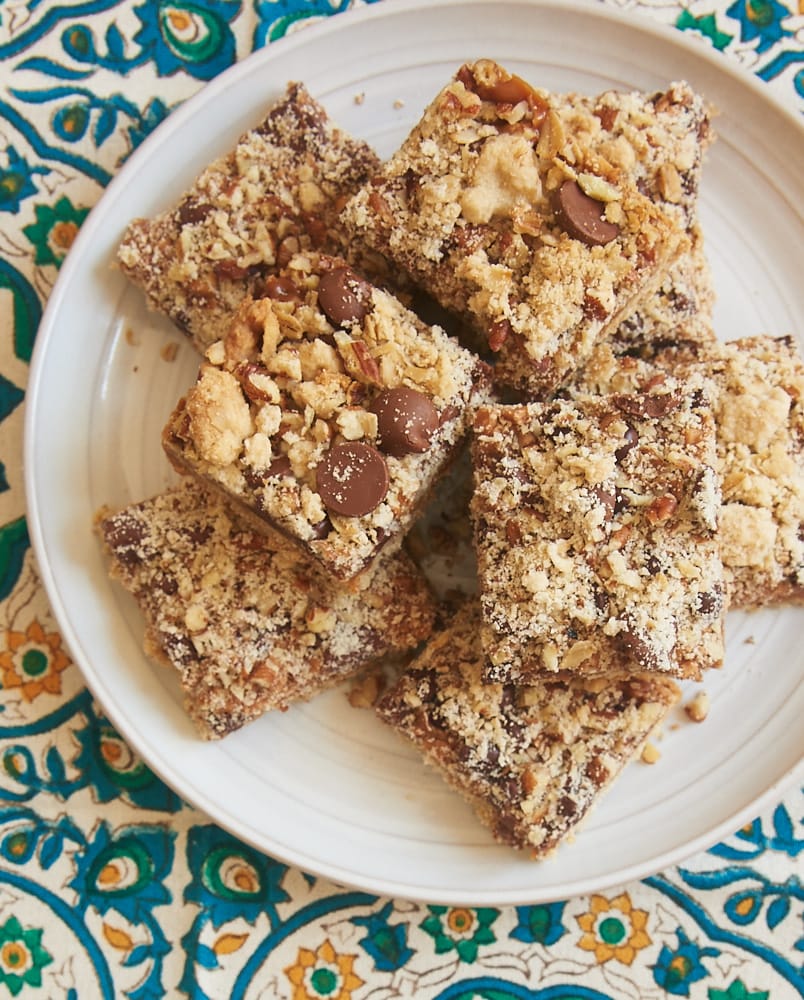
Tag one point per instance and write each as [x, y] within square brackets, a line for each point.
[327, 412]
[660, 138]
[278, 191]
[243, 616]
[595, 527]
[501, 209]
[531, 760]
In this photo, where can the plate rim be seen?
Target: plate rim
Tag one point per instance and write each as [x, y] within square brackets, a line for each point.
[188, 110]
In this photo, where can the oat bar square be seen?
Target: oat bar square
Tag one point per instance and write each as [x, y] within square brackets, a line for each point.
[758, 385]
[327, 413]
[277, 191]
[532, 760]
[502, 206]
[596, 530]
[760, 436]
[242, 616]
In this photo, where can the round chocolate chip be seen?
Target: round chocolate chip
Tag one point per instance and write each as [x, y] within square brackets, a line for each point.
[582, 217]
[406, 420]
[344, 296]
[282, 289]
[352, 478]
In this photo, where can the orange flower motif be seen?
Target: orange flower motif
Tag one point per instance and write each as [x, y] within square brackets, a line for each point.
[32, 661]
[613, 929]
[323, 974]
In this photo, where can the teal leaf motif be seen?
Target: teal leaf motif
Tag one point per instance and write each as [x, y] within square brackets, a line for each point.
[10, 397]
[27, 309]
[115, 43]
[386, 943]
[777, 911]
[57, 71]
[206, 957]
[14, 543]
[55, 765]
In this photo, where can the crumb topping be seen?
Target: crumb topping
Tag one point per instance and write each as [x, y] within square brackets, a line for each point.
[245, 619]
[596, 531]
[286, 413]
[472, 206]
[534, 758]
[760, 431]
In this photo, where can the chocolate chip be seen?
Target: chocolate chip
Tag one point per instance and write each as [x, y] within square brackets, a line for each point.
[605, 499]
[582, 217]
[344, 296]
[597, 771]
[322, 529]
[647, 404]
[279, 467]
[653, 565]
[406, 421]
[637, 648]
[352, 478]
[709, 603]
[123, 532]
[630, 439]
[191, 211]
[282, 289]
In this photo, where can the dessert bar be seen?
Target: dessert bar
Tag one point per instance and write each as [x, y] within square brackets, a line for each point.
[276, 192]
[506, 205]
[532, 760]
[327, 412]
[760, 435]
[242, 616]
[595, 524]
[758, 385]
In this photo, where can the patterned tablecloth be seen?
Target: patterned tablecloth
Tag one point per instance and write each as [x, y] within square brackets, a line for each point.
[110, 886]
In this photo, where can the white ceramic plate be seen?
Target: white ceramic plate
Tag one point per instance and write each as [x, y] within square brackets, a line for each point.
[325, 786]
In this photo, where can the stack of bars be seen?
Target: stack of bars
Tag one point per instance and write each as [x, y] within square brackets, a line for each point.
[632, 476]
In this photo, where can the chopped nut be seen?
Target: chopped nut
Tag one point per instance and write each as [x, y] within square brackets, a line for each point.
[195, 618]
[650, 754]
[698, 708]
[320, 620]
[365, 691]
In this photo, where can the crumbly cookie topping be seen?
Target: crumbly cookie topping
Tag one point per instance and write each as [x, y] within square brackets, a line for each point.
[245, 619]
[328, 411]
[760, 432]
[596, 531]
[276, 193]
[532, 759]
